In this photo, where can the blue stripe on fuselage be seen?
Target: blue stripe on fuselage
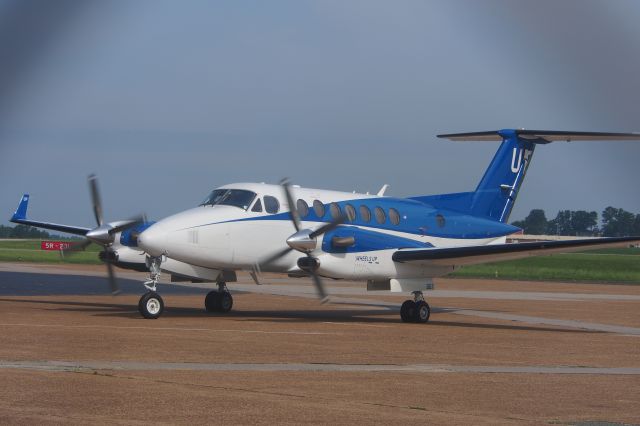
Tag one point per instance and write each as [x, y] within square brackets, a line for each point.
[415, 218]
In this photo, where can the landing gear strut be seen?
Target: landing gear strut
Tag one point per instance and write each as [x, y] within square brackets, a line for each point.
[151, 304]
[219, 300]
[416, 310]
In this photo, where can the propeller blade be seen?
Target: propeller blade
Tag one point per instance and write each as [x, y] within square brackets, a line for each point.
[328, 227]
[74, 248]
[273, 257]
[95, 198]
[113, 282]
[322, 293]
[126, 224]
[295, 218]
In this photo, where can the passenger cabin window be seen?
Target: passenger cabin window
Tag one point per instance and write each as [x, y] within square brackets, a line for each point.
[335, 210]
[318, 208]
[351, 212]
[303, 208]
[257, 207]
[365, 213]
[271, 204]
[440, 220]
[394, 216]
[380, 216]
[230, 197]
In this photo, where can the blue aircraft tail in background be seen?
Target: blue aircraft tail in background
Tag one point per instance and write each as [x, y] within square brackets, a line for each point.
[498, 189]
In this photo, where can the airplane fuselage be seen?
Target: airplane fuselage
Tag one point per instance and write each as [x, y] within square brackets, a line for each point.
[224, 236]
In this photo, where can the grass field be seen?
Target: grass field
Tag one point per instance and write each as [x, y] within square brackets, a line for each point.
[29, 251]
[603, 266]
[606, 265]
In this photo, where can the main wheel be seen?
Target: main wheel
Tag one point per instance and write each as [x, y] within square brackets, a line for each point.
[226, 301]
[212, 301]
[151, 305]
[407, 311]
[422, 312]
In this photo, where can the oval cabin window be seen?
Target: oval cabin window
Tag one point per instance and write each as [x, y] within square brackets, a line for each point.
[380, 215]
[303, 208]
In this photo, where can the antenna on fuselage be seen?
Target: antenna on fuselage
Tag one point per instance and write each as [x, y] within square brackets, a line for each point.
[383, 190]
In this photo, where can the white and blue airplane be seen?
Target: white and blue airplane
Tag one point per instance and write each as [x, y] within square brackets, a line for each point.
[393, 244]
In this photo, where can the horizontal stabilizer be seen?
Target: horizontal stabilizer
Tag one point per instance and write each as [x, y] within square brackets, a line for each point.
[472, 255]
[541, 136]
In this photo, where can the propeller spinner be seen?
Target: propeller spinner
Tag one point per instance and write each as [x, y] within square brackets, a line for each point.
[104, 234]
[305, 241]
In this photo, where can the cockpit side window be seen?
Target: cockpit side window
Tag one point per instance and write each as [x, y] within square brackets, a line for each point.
[230, 197]
[271, 204]
[257, 207]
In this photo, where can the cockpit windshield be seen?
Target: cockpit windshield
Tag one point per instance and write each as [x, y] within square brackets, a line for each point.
[230, 197]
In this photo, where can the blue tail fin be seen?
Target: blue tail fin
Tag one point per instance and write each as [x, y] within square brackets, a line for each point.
[497, 191]
[21, 211]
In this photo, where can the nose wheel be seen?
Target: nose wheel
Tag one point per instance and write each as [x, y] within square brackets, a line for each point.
[416, 310]
[151, 305]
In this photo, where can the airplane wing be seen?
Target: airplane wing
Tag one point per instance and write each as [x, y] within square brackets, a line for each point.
[20, 216]
[473, 255]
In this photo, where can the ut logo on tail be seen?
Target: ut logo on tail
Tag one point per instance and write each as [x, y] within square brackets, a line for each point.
[516, 157]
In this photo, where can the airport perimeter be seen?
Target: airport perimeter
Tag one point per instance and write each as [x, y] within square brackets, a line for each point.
[494, 352]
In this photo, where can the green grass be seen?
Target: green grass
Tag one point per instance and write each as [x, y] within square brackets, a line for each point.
[29, 251]
[604, 265]
[611, 265]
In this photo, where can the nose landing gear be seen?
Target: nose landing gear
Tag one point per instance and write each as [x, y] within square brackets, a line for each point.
[151, 305]
[416, 310]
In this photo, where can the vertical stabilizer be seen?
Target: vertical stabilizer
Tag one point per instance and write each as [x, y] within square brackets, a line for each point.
[497, 191]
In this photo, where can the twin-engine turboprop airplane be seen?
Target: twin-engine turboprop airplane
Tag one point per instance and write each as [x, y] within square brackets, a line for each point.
[393, 244]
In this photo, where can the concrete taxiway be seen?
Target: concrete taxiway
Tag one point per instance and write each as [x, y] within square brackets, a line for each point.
[495, 352]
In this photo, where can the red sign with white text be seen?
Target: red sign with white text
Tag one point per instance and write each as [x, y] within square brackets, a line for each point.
[56, 245]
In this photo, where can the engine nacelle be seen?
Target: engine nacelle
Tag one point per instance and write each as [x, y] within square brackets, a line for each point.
[308, 264]
[125, 257]
[129, 237]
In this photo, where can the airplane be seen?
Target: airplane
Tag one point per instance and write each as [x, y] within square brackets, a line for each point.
[391, 244]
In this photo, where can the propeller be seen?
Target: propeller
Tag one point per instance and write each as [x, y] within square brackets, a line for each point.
[104, 234]
[303, 240]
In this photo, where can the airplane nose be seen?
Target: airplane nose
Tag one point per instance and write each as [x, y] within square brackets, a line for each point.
[153, 240]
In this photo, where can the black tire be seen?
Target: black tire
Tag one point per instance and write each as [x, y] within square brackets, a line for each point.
[422, 312]
[212, 301]
[407, 311]
[226, 301]
[151, 305]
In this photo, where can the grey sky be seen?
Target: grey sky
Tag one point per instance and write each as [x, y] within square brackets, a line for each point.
[165, 100]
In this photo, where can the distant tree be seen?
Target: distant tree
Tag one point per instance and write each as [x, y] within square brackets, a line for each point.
[25, 231]
[636, 225]
[535, 223]
[584, 223]
[561, 225]
[569, 222]
[618, 222]
[5, 231]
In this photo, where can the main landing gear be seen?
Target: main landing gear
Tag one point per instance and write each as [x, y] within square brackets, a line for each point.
[219, 300]
[416, 310]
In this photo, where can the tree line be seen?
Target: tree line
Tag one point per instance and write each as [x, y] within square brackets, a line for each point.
[614, 222]
[26, 232]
